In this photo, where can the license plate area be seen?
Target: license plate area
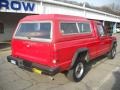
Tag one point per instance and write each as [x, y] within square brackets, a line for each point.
[13, 62]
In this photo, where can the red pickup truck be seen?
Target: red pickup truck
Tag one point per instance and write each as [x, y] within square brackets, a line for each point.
[53, 43]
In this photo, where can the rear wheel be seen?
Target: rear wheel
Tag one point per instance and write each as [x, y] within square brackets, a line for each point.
[76, 74]
[112, 53]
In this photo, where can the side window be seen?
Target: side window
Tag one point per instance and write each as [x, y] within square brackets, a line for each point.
[101, 30]
[1, 28]
[68, 28]
[84, 27]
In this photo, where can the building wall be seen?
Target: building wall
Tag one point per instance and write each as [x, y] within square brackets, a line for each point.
[58, 9]
[20, 6]
[11, 11]
[10, 21]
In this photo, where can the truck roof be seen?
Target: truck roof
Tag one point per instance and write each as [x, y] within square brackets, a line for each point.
[53, 17]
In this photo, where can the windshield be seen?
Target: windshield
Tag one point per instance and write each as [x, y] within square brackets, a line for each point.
[34, 30]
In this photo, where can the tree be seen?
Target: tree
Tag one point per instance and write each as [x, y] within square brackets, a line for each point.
[111, 8]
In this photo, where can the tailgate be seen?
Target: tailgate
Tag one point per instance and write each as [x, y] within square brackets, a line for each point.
[37, 52]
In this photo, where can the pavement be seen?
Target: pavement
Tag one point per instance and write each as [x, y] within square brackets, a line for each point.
[4, 46]
[102, 74]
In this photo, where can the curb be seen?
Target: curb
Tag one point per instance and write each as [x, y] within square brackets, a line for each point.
[5, 52]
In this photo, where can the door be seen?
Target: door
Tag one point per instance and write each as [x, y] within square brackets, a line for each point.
[103, 41]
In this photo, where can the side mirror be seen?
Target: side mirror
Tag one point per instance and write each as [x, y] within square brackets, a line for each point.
[110, 33]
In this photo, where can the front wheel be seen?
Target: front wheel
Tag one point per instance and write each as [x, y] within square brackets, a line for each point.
[112, 53]
[76, 74]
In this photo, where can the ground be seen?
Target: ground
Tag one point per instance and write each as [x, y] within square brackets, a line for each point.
[102, 74]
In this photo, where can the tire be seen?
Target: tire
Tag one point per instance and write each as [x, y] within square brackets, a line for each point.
[112, 53]
[77, 72]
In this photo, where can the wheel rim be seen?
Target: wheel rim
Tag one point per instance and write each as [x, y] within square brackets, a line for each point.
[79, 70]
[113, 52]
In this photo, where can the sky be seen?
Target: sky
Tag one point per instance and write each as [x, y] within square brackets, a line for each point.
[99, 2]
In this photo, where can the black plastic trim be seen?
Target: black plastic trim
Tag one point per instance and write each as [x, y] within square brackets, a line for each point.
[45, 69]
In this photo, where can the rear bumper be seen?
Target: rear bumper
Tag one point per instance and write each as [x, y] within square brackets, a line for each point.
[30, 65]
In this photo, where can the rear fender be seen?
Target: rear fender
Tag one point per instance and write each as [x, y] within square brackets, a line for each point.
[114, 43]
[81, 50]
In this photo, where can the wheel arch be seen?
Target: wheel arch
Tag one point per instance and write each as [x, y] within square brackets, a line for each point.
[114, 43]
[81, 51]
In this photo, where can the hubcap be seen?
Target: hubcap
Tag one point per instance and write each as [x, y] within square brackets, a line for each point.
[113, 52]
[79, 70]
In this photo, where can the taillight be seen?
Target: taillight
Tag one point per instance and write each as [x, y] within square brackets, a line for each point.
[54, 61]
[55, 58]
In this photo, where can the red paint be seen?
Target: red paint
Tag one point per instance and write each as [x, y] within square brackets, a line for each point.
[62, 47]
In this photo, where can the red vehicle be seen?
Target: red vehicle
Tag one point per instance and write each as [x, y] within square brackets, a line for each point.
[54, 43]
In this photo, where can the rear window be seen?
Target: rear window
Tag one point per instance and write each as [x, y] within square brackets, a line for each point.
[34, 30]
[84, 27]
[75, 27]
[68, 28]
